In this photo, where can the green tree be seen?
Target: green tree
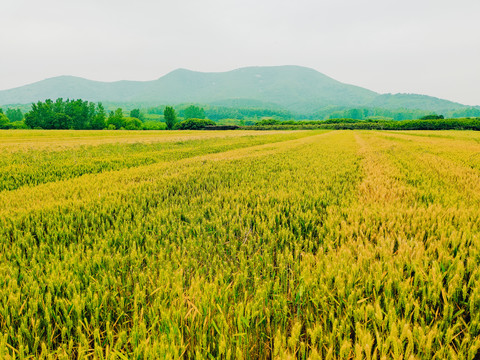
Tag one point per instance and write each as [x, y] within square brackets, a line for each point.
[136, 113]
[194, 112]
[133, 123]
[41, 116]
[432, 117]
[69, 114]
[14, 115]
[194, 124]
[267, 121]
[116, 119]
[59, 105]
[4, 122]
[61, 121]
[170, 117]
[79, 111]
[98, 121]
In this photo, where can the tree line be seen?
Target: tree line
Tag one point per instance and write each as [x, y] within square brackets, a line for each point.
[432, 122]
[84, 115]
[11, 119]
[81, 115]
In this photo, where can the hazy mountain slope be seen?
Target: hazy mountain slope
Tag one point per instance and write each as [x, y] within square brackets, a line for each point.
[294, 88]
[71, 87]
[414, 101]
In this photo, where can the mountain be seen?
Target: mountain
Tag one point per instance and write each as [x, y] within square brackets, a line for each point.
[414, 101]
[292, 88]
[71, 87]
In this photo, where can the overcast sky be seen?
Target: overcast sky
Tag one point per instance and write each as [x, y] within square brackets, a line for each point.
[416, 46]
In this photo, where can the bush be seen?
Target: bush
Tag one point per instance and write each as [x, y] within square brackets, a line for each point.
[194, 124]
[132, 123]
[4, 122]
[154, 125]
[18, 125]
[432, 117]
[347, 124]
[267, 122]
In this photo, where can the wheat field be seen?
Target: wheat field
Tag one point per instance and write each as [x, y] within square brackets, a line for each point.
[239, 245]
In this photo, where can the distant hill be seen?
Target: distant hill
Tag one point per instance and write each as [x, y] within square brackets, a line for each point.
[293, 88]
[73, 88]
[414, 101]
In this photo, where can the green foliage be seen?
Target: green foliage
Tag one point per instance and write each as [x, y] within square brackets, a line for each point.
[372, 124]
[267, 122]
[116, 119]
[194, 124]
[69, 114]
[242, 113]
[133, 123]
[4, 121]
[432, 117]
[156, 110]
[439, 124]
[170, 117]
[18, 125]
[41, 116]
[62, 121]
[14, 115]
[366, 113]
[98, 121]
[84, 115]
[154, 125]
[466, 112]
[153, 117]
[136, 113]
[194, 112]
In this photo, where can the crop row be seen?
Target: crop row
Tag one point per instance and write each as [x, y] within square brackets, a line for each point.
[338, 245]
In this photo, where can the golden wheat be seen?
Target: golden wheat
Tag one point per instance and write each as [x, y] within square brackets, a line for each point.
[239, 245]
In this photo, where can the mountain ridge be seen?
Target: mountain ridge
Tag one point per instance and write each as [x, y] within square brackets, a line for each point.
[291, 87]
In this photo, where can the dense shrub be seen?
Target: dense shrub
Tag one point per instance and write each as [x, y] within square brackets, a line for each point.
[194, 124]
[132, 123]
[348, 124]
[154, 125]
